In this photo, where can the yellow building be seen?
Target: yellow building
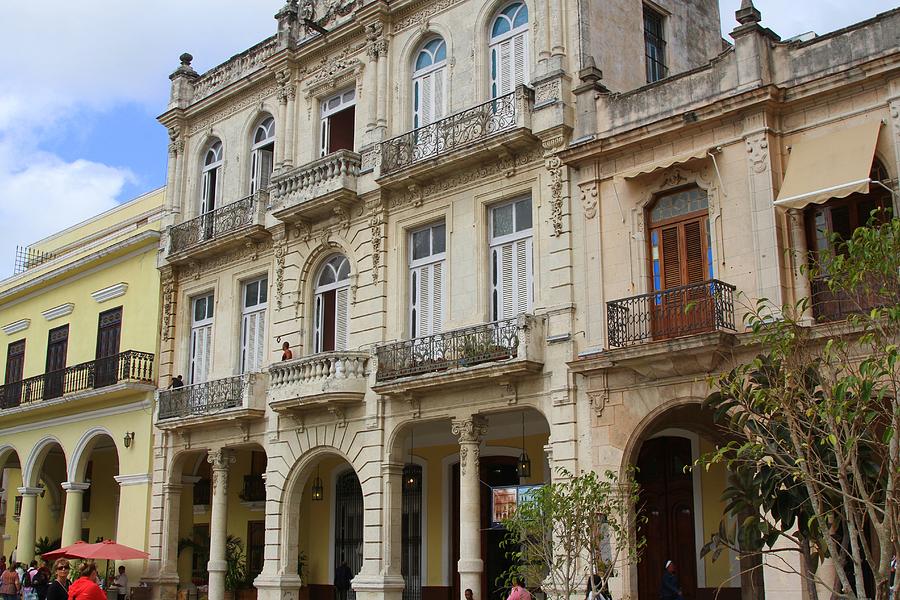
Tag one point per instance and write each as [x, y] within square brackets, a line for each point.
[79, 325]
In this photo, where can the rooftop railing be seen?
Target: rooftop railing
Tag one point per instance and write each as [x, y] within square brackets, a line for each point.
[672, 313]
[130, 366]
[474, 124]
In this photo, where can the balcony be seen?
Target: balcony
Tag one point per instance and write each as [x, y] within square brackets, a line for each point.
[673, 313]
[322, 188]
[239, 398]
[500, 350]
[254, 489]
[499, 125]
[219, 230]
[326, 378]
[114, 374]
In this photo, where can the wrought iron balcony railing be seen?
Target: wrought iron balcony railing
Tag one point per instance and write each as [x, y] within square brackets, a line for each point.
[676, 312]
[203, 398]
[202, 492]
[254, 489]
[130, 366]
[456, 131]
[469, 346]
[217, 223]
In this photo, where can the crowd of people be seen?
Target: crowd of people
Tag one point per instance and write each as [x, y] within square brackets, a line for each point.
[33, 582]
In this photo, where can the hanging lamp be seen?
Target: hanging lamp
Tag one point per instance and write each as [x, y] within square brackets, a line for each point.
[410, 479]
[524, 461]
[318, 490]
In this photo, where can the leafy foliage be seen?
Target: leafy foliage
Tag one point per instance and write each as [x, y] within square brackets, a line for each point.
[814, 418]
[572, 528]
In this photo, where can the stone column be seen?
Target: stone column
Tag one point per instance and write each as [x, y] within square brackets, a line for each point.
[221, 460]
[392, 534]
[172, 516]
[280, 120]
[370, 83]
[382, 86]
[799, 252]
[27, 524]
[71, 529]
[470, 431]
[556, 29]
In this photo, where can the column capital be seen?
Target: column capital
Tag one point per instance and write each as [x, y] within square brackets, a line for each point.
[469, 429]
[75, 486]
[389, 468]
[172, 488]
[30, 491]
[221, 459]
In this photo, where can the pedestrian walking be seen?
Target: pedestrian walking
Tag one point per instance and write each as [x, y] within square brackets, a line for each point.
[87, 586]
[9, 584]
[669, 589]
[342, 577]
[28, 592]
[518, 591]
[59, 587]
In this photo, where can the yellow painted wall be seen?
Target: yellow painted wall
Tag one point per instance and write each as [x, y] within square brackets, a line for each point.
[712, 484]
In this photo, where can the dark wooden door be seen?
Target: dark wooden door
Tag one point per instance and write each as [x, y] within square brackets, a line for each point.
[109, 331]
[15, 370]
[57, 346]
[667, 503]
[341, 129]
[256, 541]
[680, 256]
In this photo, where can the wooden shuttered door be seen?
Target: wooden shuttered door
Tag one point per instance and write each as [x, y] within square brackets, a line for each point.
[427, 299]
[509, 66]
[512, 278]
[429, 100]
[681, 264]
[342, 319]
[253, 331]
[201, 349]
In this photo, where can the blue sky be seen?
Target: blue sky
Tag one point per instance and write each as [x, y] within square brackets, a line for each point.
[81, 84]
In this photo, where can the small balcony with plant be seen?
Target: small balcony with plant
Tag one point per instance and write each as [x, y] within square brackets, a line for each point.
[237, 398]
[219, 230]
[505, 349]
[501, 125]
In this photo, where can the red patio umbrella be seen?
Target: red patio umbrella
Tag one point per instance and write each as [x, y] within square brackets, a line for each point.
[107, 549]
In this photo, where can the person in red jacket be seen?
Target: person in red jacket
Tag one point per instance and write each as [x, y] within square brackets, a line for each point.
[85, 587]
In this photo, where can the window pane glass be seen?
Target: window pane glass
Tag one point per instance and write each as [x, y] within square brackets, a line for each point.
[209, 307]
[264, 290]
[327, 276]
[423, 61]
[199, 309]
[503, 220]
[421, 246]
[344, 269]
[523, 215]
[439, 239]
[251, 292]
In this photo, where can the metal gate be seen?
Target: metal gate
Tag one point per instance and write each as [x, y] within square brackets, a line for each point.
[411, 565]
[348, 524]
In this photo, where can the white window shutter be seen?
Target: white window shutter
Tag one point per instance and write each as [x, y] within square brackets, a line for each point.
[507, 281]
[254, 171]
[514, 285]
[523, 284]
[204, 193]
[217, 191]
[317, 324]
[426, 102]
[519, 60]
[505, 67]
[427, 303]
[266, 163]
[253, 341]
[201, 338]
[438, 111]
[437, 297]
[342, 319]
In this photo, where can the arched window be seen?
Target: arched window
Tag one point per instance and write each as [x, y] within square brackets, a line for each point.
[331, 321]
[429, 83]
[262, 155]
[509, 49]
[211, 189]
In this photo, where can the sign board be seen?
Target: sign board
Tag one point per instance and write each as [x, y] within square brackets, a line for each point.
[505, 499]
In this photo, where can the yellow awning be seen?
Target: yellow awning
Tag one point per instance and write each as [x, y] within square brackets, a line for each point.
[664, 164]
[834, 165]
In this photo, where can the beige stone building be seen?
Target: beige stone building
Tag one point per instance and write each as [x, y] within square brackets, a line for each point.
[393, 234]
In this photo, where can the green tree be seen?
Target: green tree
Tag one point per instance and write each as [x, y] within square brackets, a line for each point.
[572, 528]
[814, 417]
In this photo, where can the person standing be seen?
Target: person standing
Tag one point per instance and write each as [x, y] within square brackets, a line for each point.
[9, 584]
[286, 353]
[87, 587]
[41, 581]
[518, 591]
[59, 587]
[121, 583]
[342, 577]
[669, 589]
[468, 594]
